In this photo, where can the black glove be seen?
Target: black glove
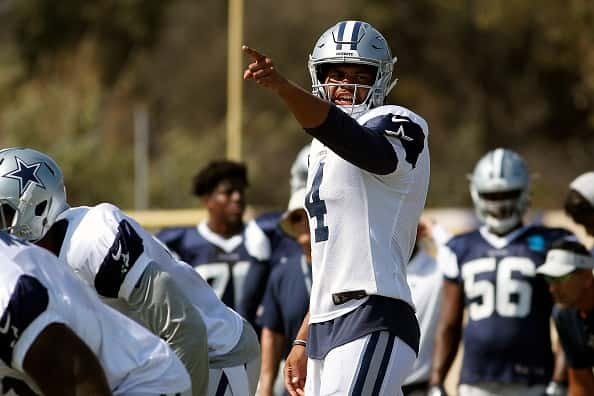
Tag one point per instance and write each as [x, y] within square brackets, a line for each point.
[437, 390]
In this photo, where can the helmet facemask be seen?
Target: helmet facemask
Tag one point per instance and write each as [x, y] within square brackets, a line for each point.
[503, 213]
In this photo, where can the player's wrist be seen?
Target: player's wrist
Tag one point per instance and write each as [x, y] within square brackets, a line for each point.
[300, 342]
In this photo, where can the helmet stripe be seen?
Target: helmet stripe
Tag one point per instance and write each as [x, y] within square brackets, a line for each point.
[498, 155]
[339, 38]
[355, 35]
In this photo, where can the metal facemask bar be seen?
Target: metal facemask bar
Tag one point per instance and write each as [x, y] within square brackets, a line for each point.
[352, 108]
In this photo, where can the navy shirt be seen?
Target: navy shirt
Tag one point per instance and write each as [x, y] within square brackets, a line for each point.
[507, 337]
[281, 245]
[229, 266]
[286, 300]
[577, 337]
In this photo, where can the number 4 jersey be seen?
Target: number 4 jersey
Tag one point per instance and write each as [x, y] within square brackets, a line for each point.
[507, 337]
[363, 225]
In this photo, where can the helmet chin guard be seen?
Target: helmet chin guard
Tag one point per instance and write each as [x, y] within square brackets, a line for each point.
[353, 42]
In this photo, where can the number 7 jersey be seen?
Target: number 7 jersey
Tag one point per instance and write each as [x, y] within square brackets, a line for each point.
[363, 225]
[507, 337]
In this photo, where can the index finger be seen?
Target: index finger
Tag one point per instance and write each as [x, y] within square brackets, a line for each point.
[258, 57]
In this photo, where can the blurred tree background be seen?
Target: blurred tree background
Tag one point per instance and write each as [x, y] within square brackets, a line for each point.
[484, 73]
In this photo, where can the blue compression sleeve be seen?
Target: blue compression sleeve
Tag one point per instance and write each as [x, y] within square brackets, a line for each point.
[363, 147]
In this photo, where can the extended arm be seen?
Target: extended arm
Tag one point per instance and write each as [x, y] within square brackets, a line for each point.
[449, 330]
[63, 365]
[296, 364]
[273, 344]
[344, 135]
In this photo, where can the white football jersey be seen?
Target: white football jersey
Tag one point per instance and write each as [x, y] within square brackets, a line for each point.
[36, 289]
[363, 225]
[109, 251]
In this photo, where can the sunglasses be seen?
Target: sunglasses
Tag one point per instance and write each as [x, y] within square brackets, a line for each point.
[559, 279]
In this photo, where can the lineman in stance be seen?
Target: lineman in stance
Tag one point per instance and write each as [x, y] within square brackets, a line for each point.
[58, 338]
[131, 271]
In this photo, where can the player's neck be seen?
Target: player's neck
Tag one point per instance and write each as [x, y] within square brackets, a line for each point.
[223, 229]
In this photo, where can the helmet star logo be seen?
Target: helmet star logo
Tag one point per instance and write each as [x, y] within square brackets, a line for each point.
[26, 174]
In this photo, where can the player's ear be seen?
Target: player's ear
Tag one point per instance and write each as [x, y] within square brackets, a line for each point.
[204, 200]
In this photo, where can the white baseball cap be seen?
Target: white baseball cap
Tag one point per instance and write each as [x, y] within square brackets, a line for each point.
[560, 262]
[584, 184]
[297, 202]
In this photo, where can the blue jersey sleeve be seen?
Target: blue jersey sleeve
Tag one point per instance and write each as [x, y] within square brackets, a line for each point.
[270, 311]
[121, 257]
[409, 133]
[27, 302]
[254, 288]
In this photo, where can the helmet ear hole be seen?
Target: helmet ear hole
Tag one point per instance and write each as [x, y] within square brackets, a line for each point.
[40, 208]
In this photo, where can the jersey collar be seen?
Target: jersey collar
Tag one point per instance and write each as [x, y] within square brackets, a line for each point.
[227, 244]
[499, 242]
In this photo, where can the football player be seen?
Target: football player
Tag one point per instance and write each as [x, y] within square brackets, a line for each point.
[492, 272]
[286, 300]
[367, 182]
[132, 271]
[58, 338]
[568, 271]
[230, 256]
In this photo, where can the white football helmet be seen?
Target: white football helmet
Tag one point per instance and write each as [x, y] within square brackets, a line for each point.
[359, 43]
[499, 186]
[32, 192]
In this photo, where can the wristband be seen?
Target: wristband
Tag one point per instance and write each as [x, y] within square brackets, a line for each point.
[299, 342]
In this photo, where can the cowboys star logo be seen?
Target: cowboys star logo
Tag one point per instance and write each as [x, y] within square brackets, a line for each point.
[26, 174]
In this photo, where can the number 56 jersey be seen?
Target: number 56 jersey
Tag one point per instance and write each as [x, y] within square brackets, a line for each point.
[507, 336]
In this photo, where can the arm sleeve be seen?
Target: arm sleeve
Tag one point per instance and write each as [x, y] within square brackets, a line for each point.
[270, 312]
[108, 251]
[25, 315]
[159, 304]
[363, 147]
